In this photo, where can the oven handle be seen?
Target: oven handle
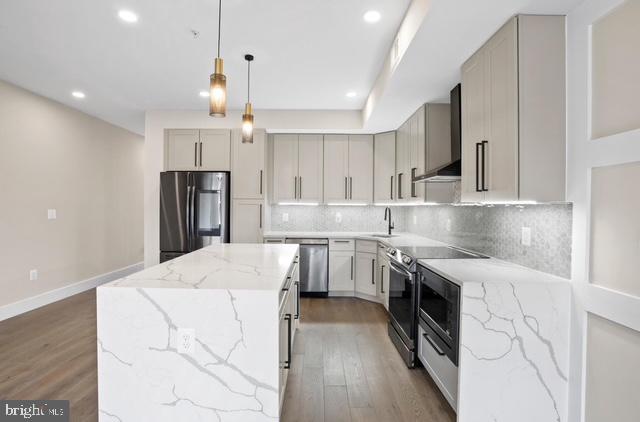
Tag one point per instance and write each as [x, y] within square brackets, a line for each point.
[433, 344]
[402, 271]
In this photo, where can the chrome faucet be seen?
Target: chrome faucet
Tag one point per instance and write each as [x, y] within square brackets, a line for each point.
[387, 213]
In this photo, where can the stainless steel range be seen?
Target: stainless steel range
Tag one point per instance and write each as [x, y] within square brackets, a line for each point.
[404, 291]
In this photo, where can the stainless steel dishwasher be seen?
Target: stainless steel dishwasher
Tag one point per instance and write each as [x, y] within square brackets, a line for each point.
[314, 266]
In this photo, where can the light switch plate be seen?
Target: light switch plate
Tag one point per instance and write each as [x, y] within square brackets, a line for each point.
[186, 340]
[338, 217]
[526, 236]
[33, 275]
[448, 224]
[285, 217]
[415, 219]
[52, 214]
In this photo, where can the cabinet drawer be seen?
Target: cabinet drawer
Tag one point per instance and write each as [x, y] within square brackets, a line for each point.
[367, 246]
[443, 372]
[341, 245]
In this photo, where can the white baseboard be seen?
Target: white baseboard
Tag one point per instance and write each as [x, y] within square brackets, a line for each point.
[31, 303]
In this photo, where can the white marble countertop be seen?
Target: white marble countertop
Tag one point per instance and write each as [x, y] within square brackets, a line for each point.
[457, 270]
[397, 239]
[234, 266]
[487, 271]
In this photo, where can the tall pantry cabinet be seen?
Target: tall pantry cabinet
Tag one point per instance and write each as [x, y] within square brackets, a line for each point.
[513, 114]
[248, 186]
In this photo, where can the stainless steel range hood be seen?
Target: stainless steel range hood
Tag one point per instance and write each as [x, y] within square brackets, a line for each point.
[452, 171]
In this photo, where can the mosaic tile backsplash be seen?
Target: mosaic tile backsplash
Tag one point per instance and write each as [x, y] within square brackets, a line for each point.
[324, 218]
[493, 230]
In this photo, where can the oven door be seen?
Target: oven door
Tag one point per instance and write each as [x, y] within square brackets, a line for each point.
[440, 307]
[402, 303]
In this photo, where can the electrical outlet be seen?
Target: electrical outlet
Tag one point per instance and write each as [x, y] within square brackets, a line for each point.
[186, 340]
[526, 236]
[448, 225]
[415, 219]
[33, 275]
[338, 217]
[285, 217]
[52, 214]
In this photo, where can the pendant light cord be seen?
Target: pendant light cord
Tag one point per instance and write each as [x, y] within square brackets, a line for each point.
[219, 23]
[248, 80]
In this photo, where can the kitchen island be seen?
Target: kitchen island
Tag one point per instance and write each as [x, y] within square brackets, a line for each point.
[202, 337]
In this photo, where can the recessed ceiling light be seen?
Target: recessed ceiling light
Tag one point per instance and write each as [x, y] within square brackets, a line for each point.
[78, 94]
[204, 94]
[351, 94]
[128, 16]
[372, 16]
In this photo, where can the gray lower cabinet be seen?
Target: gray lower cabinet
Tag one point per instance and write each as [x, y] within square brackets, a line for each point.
[366, 274]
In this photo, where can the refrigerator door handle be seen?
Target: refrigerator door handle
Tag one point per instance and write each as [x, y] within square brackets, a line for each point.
[192, 207]
[187, 215]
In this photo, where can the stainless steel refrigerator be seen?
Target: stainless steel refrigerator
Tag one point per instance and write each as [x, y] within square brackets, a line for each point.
[194, 211]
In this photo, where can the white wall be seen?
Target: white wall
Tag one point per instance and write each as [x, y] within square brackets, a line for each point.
[297, 121]
[88, 170]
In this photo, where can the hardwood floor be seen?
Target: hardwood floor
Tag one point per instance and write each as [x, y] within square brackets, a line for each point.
[50, 353]
[344, 366]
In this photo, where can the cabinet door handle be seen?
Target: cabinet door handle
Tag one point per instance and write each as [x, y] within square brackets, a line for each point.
[260, 182]
[287, 363]
[297, 315]
[200, 154]
[350, 187]
[484, 166]
[295, 187]
[413, 184]
[345, 188]
[195, 154]
[373, 272]
[400, 186]
[391, 190]
[382, 279]
[351, 268]
[260, 216]
[300, 187]
[478, 145]
[433, 344]
[341, 241]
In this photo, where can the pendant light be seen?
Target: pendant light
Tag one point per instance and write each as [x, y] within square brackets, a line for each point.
[217, 81]
[247, 117]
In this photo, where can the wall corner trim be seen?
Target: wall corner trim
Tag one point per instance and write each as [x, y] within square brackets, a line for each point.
[34, 302]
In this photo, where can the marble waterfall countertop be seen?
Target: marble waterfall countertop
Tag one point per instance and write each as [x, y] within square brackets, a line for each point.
[234, 266]
[196, 338]
[514, 341]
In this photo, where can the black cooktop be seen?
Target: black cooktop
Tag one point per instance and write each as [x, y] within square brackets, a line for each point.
[437, 252]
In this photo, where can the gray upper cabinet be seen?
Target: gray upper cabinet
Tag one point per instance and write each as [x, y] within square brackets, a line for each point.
[348, 169]
[513, 107]
[297, 168]
[193, 149]
[248, 164]
[384, 166]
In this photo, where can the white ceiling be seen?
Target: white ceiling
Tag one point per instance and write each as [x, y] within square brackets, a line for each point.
[309, 53]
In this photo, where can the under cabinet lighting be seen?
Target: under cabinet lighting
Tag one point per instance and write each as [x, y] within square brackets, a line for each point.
[310, 204]
[347, 204]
